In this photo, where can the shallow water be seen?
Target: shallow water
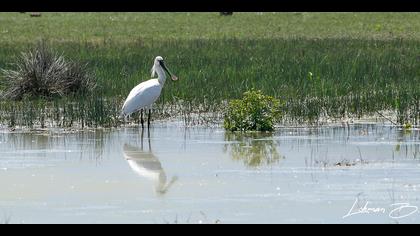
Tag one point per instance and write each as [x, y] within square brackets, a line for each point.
[174, 174]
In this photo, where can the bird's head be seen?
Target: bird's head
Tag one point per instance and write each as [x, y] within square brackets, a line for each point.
[160, 63]
[158, 59]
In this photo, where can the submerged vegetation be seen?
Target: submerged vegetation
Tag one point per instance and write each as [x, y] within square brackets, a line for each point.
[324, 75]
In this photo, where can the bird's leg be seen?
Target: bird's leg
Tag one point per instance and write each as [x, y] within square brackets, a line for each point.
[148, 118]
[141, 118]
[148, 138]
[142, 134]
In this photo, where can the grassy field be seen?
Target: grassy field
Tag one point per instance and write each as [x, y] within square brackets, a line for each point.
[145, 27]
[321, 64]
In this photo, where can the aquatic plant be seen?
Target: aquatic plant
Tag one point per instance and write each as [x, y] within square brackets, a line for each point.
[41, 72]
[254, 112]
[407, 126]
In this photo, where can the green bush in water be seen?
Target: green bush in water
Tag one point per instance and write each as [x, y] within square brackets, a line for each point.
[254, 112]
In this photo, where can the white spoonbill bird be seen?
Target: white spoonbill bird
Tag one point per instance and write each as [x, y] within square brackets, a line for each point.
[146, 93]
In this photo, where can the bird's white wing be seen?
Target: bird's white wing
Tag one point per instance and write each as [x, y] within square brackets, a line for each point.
[142, 96]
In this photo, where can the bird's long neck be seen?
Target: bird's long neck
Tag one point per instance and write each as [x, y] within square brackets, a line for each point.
[161, 74]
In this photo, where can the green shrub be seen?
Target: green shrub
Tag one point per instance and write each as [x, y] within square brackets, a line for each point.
[254, 112]
[42, 73]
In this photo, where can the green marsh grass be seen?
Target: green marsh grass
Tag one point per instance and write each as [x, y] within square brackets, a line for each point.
[318, 71]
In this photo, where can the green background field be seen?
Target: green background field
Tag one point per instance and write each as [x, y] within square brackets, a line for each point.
[333, 64]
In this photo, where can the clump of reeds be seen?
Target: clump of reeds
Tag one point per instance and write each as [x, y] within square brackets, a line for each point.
[43, 73]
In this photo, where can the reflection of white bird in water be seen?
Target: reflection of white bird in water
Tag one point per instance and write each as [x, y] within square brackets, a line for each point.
[147, 165]
[146, 93]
